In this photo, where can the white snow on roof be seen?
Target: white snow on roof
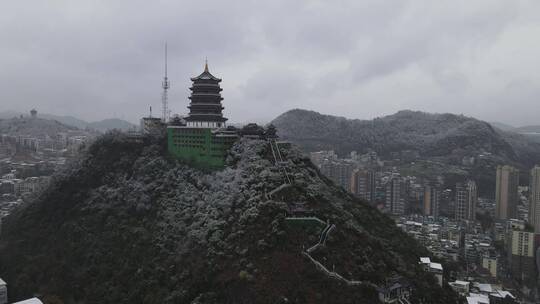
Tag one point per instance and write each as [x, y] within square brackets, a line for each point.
[30, 301]
[2, 282]
[502, 294]
[461, 282]
[435, 266]
[484, 287]
[425, 260]
[475, 298]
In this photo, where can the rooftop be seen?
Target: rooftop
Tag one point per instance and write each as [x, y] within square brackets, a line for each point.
[30, 301]
[484, 287]
[206, 75]
[502, 294]
[463, 283]
[436, 266]
[477, 299]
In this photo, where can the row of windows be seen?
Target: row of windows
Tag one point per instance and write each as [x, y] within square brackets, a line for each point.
[190, 146]
[205, 124]
[198, 139]
[197, 144]
[189, 134]
[193, 138]
[189, 131]
[188, 142]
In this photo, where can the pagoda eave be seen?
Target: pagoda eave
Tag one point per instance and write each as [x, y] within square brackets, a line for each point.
[205, 78]
[215, 87]
[206, 106]
[204, 117]
[197, 97]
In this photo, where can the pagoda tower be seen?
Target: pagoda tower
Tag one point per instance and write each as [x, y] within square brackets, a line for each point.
[203, 141]
[205, 108]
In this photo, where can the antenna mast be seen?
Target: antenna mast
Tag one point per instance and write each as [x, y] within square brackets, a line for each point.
[164, 96]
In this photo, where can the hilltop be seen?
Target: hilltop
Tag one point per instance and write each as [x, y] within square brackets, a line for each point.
[127, 224]
[443, 138]
[110, 124]
[531, 132]
[101, 125]
[37, 127]
[430, 134]
[522, 129]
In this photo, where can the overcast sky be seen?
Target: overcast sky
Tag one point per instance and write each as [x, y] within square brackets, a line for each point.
[358, 58]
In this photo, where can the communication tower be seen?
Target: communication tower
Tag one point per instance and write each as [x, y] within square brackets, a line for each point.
[164, 96]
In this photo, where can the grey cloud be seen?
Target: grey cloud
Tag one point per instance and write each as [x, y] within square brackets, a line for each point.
[354, 58]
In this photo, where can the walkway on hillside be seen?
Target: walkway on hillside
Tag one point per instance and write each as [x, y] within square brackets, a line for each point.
[332, 274]
[278, 159]
[305, 219]
[281, 164]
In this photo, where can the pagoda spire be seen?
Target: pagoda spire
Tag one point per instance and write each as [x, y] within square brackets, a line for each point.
[206, 65]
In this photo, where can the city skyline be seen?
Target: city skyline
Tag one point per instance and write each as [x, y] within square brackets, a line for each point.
[472, 59]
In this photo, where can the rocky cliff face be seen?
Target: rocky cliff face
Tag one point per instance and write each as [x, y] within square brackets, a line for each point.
[127, 224]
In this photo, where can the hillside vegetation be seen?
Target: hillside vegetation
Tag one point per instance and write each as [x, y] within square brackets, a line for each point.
[430, 134]
[126, 224]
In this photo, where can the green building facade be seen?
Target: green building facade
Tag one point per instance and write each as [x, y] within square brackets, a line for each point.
[202, 147]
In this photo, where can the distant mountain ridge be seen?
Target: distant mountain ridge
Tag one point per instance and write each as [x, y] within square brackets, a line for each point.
[430, 134]
[528, 129]
[523, 129]
[110, 124]
[532, 133]
[36, 127]
[439, 139]
[101, 125]
[503, 126]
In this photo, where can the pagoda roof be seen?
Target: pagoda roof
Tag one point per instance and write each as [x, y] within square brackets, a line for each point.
[205, 75]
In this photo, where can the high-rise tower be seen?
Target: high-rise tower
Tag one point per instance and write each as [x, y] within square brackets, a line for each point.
[395, 202]
[363, 184]
[432, 198]
[165, 84]
[506, 195]
[466, 201]
[534, 199]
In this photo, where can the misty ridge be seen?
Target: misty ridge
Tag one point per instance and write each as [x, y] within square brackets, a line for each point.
[431, 134]
[70, 121]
